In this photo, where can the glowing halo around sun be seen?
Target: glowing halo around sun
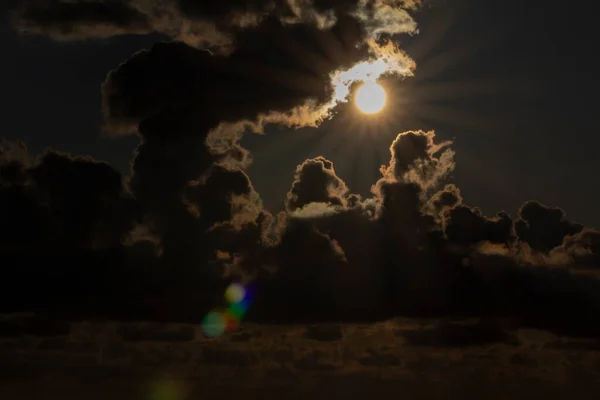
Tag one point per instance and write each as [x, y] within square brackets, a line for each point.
[370, 98]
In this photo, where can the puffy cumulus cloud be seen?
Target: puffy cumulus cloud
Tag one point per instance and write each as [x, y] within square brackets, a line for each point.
[316, 182]
[412, 251]
[407, 250]
[443, 201]
[371, 248]
[415, 158]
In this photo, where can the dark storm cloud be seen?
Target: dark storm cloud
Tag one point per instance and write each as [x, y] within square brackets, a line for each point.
[164, 243]
[77, 20]
[63, 223]
[59, 200]
[344, 260]
[188, 106]
[468, 226]
[188, 215]
[199, 22]
[391, 251]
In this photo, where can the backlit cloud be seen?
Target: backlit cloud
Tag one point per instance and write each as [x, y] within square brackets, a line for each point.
[165, 241]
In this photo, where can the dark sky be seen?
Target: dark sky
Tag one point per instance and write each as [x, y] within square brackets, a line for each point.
[146, 227]
[537, 140]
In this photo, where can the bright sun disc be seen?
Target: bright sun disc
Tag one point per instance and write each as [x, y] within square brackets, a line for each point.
[370, 98]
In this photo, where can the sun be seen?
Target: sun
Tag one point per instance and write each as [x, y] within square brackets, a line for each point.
[370, 98]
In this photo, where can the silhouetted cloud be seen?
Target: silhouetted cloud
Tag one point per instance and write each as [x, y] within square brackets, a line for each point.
[164, 242]
[542, 227]
[467, 226]
[316, 182]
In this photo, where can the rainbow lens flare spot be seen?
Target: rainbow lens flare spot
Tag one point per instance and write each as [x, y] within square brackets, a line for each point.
[238, 309]
[218, 321]
[231, 321]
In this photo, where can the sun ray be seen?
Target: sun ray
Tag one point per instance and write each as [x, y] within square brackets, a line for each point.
[455, 117]
[431, 37]
[455, 89]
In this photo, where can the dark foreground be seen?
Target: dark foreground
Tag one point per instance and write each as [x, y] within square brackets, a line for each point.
[398, 359]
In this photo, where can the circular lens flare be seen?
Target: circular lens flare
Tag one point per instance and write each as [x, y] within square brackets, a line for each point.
[219, 321]
[214, 324]
[370, 98]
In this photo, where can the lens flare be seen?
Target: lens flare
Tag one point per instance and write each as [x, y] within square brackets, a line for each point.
[238, 309]
[235, 293]
[213, 324]
[232, 322]
[219, 321]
